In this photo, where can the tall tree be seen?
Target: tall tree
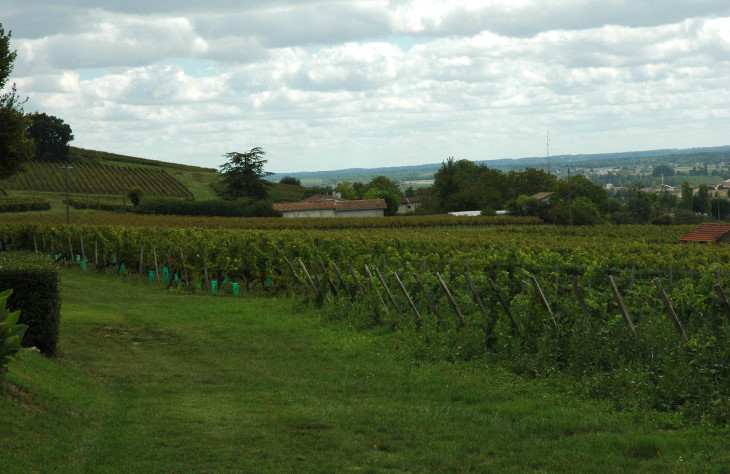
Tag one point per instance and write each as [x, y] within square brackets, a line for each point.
[243, 175]
[15, 148]
[51, 136]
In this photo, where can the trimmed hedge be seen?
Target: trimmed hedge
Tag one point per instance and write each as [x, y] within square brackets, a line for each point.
[23, 204]
[36, 293]
[216, 207]
[81, 203]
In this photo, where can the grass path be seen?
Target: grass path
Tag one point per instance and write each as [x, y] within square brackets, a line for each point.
[151, 381]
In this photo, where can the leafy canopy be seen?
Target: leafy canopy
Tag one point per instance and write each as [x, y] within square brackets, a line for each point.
[51, 136]
[243, 175]
[15, 148]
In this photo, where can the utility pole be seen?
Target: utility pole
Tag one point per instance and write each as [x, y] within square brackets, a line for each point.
[65, 169]
[570, 205]
[547, 145]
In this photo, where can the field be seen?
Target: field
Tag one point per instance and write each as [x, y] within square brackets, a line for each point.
[375, 343]
[149, 380]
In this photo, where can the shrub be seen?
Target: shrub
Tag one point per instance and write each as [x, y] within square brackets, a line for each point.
[10, 333]
[23, 204]
[35, 284]
[216, 207]
[82, 203]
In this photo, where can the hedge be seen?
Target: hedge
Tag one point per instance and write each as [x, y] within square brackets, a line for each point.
[23, 204]
[36, 293]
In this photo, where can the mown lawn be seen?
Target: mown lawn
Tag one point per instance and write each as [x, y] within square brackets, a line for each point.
[151, 381]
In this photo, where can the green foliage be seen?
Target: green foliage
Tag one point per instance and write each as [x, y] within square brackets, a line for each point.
[664, 170]
[290, 180]
[392, 201]
[346, 190]
[35, 285]
[96, 203]
[463, 185]
[382, 183]
[243, 174]
[11, 334]
[23, 204]
[51, 136]
[15, 149]
[217, 207]
[135, 194]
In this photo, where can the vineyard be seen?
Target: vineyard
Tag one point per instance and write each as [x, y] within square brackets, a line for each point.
[629, 311]
[91, 178]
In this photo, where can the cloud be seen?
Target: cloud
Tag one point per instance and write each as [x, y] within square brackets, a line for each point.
[332, 84]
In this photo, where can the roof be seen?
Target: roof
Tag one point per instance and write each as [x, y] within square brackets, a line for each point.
[338, 206]
[706, 232]
[541, 196]
[410, 200]
[466, 213]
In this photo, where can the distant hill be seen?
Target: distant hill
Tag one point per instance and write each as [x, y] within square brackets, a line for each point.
[597, 160]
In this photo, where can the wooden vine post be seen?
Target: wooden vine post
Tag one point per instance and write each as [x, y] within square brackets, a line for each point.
[389, 293]
[670, 310]
[293, 272]
[477, 297]
[185, 270]
[83, 250]
[622, 307]
[419, 321]
[451, 299]
[358, 286]
[205, 271]
[578, 295]
[308, 276]
[141, 259]
[429, 298]
[723, 300]
[505, 307]
[543, 301]
[157, 267]
[374, 286]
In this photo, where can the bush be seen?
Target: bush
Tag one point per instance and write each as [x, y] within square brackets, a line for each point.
[10, 333]
[23, 204]
[35, 284]
[82, 203]
[217, 207]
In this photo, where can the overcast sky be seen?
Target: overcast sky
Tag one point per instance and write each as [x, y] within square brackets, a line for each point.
[332, 84]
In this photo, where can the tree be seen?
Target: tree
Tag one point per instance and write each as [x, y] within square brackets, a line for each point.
[290, 180]
[51, 136]
[346, 190]
[392, 200]
[663, 170]
[15, 148]
[135, 194]
[243, 174]
[701, 202]
[685, 201]
[382, 183]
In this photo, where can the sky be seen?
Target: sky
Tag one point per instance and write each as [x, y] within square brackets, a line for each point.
[333, 84]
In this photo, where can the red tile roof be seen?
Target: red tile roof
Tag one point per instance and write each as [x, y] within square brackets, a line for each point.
[338, 206]
[707, 232]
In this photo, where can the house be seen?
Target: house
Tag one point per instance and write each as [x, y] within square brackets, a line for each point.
[409, 205]
[543, 196]
[709, 232]
[332, 208]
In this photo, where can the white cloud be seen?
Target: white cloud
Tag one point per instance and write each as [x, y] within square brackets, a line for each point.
[331, 84]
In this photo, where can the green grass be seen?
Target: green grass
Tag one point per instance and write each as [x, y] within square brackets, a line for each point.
[156, 381]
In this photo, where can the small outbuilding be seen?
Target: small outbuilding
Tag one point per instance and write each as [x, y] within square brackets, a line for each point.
[331, 208]
[709, 232]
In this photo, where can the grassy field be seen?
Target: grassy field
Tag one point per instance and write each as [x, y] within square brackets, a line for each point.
[151, 381]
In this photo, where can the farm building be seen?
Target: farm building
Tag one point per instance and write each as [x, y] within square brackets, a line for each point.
[408, 205]
[709, 232]
[333, 208]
